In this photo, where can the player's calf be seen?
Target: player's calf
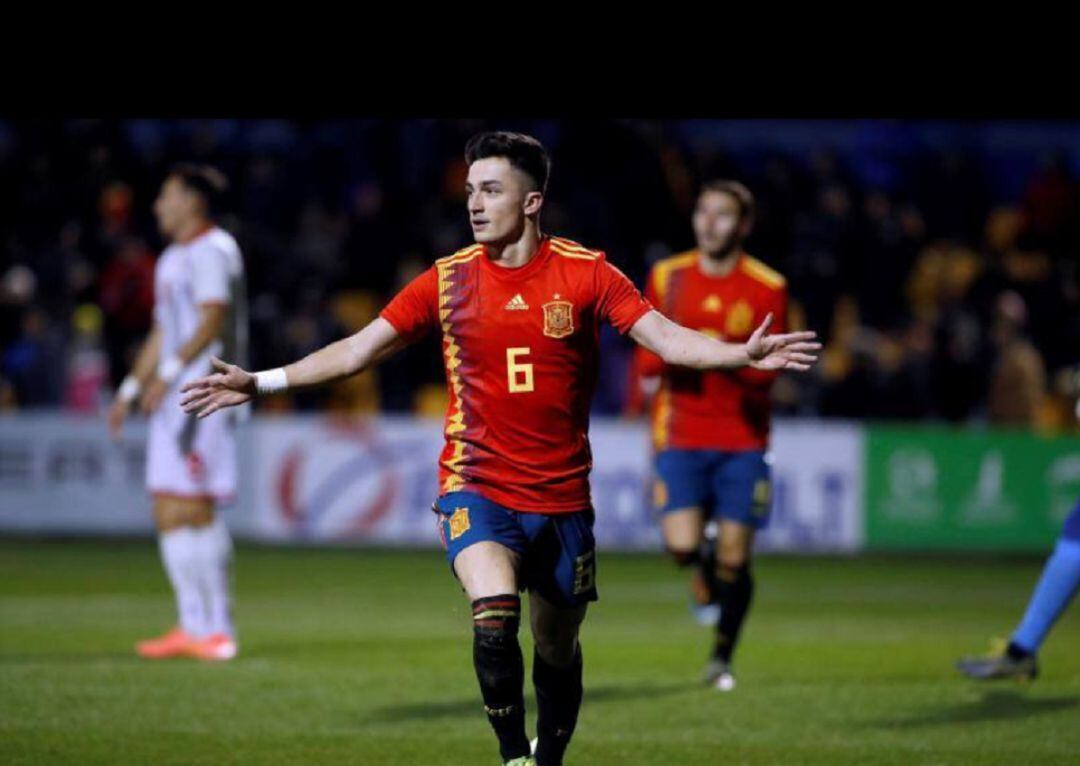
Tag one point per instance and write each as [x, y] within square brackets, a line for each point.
[557, 668]
[734, 590]
[501, 670]
[558, 698]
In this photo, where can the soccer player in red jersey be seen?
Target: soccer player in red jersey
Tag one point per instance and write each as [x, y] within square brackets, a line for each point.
[519, 313]
[711, 428]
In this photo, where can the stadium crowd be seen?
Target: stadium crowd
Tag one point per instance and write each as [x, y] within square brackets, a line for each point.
[942, 268]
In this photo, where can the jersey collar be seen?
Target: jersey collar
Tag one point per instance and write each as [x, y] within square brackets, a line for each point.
[201, 232]
[521, 272]
[734, 269]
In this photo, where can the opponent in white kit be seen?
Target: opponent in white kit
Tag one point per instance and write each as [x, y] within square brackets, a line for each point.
[191, 464]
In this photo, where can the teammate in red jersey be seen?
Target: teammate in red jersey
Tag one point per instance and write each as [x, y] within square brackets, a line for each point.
[519, 314]
[711, 429]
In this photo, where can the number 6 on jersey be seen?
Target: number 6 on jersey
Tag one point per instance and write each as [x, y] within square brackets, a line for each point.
[519, 375]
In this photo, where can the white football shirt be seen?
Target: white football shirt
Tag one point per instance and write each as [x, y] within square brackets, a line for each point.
[206, 269]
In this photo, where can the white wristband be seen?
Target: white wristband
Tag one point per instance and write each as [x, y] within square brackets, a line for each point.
[169, 368]
[271, 381]
[129, 389]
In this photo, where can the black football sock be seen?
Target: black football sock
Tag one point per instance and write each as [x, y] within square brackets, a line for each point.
[734, 589]
[558, 700]
[707, 567]
[501, 670]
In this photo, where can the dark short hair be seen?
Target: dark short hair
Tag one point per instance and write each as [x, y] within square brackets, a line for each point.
[738, 191]
[523, 152]
[206, 181]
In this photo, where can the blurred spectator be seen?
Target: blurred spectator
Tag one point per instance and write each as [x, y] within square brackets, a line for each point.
[34, 363]
[1018, 381]
[824, 254]
[87, 390]
[126, 298]
[1051, 207]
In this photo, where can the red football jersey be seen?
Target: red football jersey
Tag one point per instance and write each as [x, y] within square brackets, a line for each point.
[520, 348]
[719, 409]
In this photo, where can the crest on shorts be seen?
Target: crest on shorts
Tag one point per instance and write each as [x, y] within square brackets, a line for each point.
[558, 318]
[659, 493]
[762, 497]
[459, 523]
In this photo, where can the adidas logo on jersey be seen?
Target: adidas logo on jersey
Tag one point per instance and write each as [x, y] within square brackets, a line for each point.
[517, 303]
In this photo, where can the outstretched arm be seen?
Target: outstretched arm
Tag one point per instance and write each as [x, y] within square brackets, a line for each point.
[681, 346]
[230, 385]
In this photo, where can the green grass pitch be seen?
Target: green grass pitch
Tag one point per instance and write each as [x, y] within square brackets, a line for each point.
[363, 657]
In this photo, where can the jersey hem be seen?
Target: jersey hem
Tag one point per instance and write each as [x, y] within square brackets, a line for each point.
[170, 494]
[553, 509]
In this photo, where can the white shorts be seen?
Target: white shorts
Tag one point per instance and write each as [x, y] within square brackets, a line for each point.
[191, 458]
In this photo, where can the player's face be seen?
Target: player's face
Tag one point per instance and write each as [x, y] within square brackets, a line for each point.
[717, 224]
[174, 205]
[501, 198]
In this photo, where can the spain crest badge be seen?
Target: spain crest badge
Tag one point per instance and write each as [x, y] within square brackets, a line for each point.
[459, 523]
[558, 319]
[740, 320]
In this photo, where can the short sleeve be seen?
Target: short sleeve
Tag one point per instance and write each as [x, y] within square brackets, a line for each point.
[414, 311]
[210, 276]
[618, 301]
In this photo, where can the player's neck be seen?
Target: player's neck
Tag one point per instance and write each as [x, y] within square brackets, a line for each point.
[189, 230]
[719, 265]
[514, 255]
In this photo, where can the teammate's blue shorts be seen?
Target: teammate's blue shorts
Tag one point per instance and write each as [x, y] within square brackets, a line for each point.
[1071, 530]
[733, 486]
[558, 551]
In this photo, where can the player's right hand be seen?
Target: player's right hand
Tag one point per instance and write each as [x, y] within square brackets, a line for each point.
[228, 387]
[118, 411]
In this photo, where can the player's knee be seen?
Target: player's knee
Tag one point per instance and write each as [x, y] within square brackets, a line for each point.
[555, 640]
[557, 649]
[496, 620]
[732, 570]
[684, 557]
[732, 557]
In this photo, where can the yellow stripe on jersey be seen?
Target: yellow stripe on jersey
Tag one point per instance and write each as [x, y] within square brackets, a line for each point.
[455, 421]
[570, 249]
[470, 251]
[570, 244]
[661, 431]
[663, 269]
[762, 273]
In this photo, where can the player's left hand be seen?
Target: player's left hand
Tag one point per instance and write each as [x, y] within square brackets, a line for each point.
[790, 351]
[118, 411]
[152, 396]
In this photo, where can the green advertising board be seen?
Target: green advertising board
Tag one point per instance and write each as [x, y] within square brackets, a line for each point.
[949, 489]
